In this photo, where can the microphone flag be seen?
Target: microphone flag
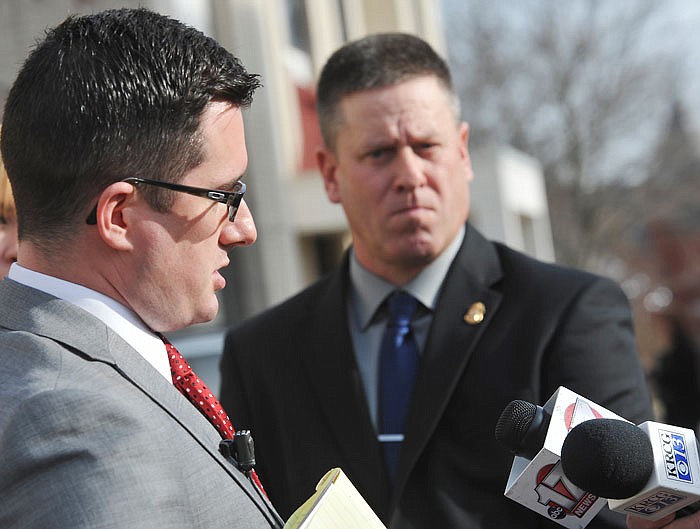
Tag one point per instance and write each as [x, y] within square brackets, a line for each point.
[675, 478]
[539, 483]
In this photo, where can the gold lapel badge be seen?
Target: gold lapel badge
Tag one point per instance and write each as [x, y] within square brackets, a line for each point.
[475, 314]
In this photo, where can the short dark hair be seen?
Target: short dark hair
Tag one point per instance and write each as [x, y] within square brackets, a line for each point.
[375, 61]
[107, 96]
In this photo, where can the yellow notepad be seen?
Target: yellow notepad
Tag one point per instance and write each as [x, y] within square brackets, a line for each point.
[336, 504]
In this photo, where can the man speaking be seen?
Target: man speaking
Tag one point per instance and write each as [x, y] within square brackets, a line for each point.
[123, 140]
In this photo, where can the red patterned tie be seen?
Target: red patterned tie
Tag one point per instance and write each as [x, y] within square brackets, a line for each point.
[197, 392]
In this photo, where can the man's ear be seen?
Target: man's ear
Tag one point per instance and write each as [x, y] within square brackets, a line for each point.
[464, 150]
[114, 208]
[328, 166]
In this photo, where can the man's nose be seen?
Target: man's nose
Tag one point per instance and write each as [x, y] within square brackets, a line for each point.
[409, 170]
[242, 231]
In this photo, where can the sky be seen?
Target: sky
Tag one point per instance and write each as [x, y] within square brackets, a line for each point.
[674, 29]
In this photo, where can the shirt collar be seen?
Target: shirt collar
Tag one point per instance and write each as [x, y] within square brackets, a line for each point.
[368, 290]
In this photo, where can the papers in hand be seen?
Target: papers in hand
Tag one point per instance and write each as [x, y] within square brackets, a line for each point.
[336, 504]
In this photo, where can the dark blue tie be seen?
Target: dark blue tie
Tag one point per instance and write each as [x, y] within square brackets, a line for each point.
[397, 372]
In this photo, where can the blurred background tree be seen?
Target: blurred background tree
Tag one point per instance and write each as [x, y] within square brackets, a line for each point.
[603, 94]
[584, 87]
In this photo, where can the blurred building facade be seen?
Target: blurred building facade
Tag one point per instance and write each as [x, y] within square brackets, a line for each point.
[300, 234]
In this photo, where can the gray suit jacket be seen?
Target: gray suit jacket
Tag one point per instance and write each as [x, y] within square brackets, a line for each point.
[92, 436]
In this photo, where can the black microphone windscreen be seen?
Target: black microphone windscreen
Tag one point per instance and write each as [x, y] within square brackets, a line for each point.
[521, 428]
[608, 457]
[514, 422]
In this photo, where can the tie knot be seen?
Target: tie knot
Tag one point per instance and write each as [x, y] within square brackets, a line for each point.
[401, 307]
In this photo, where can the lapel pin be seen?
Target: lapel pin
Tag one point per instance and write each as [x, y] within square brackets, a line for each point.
[475, 314]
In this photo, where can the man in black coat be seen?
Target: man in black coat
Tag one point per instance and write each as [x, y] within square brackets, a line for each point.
[491, 325]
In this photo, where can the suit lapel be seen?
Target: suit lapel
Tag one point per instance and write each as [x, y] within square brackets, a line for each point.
[330, 362]
[450, 344]
[140, 373]
[90, 338]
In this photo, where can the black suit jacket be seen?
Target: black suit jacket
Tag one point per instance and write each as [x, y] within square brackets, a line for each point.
[290, 376]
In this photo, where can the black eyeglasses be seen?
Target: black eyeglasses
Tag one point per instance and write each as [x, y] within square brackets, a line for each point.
[232, 199]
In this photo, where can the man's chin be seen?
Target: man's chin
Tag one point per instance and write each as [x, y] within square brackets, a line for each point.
[417, 255]
[418, 245]
[206, 314]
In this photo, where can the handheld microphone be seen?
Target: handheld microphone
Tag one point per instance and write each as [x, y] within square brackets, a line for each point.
[534, 434]
[650, 471]
[522, 428]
